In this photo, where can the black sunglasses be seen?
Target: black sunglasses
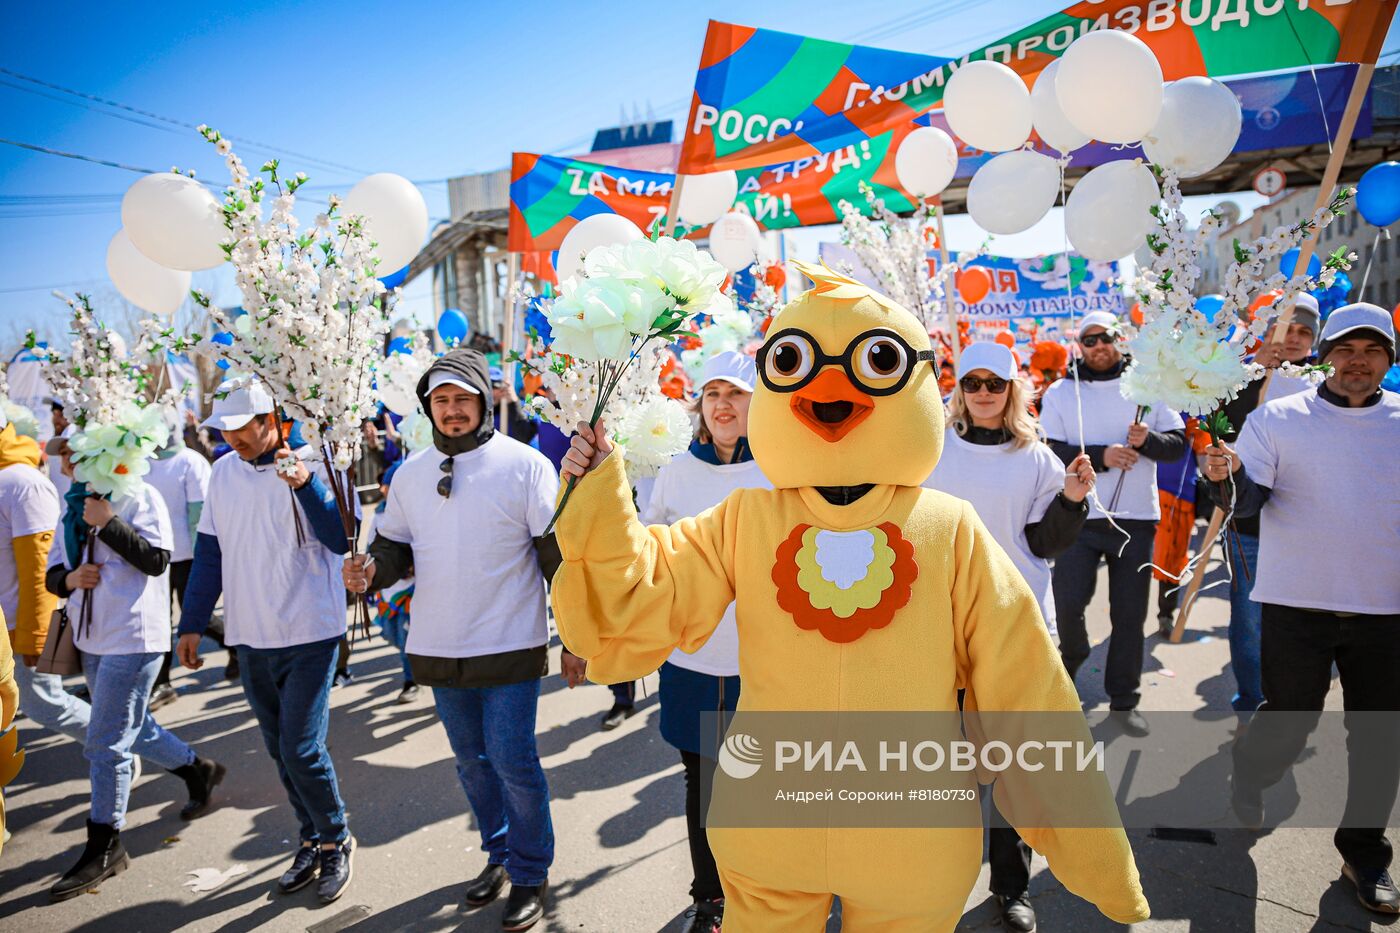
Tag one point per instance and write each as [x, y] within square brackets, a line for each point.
[1093, 340]
[879, 362]
[444, 486]
[971, 385]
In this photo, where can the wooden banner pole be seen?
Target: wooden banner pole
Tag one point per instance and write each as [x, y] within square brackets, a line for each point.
[954, 342]
[673, 210]
[1340, 145]
[1194, 585]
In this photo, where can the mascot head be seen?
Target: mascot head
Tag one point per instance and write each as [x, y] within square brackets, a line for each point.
[848, 391]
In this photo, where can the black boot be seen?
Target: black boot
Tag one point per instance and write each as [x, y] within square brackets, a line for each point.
[486, 887]
[524, 906]
[200, 779]
[1017, 914]
[102, 857]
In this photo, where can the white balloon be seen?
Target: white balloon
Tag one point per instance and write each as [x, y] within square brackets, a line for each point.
[146, 284]
[174, 220]
[735, 241]
[706, 198]
[1109, 86]
[1198, 127]
[1049, 120]
[988, 106]
[1013, 191]
[1108, 212]
[396, 215]
[597, 230]
[926, 161]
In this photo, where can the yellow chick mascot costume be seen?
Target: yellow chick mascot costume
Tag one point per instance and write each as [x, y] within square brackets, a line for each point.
[849, 398]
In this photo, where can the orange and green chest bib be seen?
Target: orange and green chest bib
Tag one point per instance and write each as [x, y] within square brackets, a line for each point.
[844, 583]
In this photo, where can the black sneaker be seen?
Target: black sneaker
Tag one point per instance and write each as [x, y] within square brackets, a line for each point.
[102, 857]
[524, 907]
[1374, 889]
[408, 694]
[704, 917]
[162, 695]
[1130, 721]
[305, 867]
[486, 887]
[1017, 913]
[1248, 803]
[335, 871]
[344, 677]
[617, 715]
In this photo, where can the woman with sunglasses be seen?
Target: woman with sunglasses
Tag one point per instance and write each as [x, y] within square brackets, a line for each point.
[109, 560]
[994, 457]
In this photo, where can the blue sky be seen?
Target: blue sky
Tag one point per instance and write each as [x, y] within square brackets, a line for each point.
[425, 89]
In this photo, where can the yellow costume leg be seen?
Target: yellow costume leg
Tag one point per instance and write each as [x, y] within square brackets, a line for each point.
[749, 907]
[867, 917]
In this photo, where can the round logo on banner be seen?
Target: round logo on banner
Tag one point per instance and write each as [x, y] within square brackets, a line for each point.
[1270, 181]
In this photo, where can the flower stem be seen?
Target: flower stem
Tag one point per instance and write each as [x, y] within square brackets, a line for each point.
[608, 380]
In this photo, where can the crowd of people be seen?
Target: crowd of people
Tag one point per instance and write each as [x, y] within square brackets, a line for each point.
[460, 563]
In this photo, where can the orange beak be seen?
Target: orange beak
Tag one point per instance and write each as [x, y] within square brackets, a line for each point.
[831, 406]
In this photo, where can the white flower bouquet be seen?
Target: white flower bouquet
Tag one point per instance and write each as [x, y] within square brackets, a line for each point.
[605, 320]
[315, 319]
[1187, 360]
[106, 397]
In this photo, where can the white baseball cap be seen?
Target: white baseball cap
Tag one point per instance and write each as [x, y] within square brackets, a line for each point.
[1360, 316]
[445, 377]
[1105, 319]
[237, 402]
[730, 366]
[988, 355]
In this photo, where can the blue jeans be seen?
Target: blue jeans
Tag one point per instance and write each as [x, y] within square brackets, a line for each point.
[121, 725]
[394, 628]
[44, 700]
[492, 733]
[1245, 614]
[289, 690]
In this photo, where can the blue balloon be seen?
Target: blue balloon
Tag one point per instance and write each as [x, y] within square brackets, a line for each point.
[1209, 304]
[395, 279]
[1288, 262]
[1391, 382]
[452, 326]
[1378, 194]
[400, 345]
[224, 339]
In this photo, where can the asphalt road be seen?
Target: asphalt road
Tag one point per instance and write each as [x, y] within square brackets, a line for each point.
[622, 863]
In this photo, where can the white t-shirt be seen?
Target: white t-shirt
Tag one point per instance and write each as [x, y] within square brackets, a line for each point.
[1329, 536]
[276, 593]
[180, 479]
[28, 506]
[685, 487]
[1107, 416]
[130, 610]
[1009, 489]
[1282, 386]
[478, 587]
